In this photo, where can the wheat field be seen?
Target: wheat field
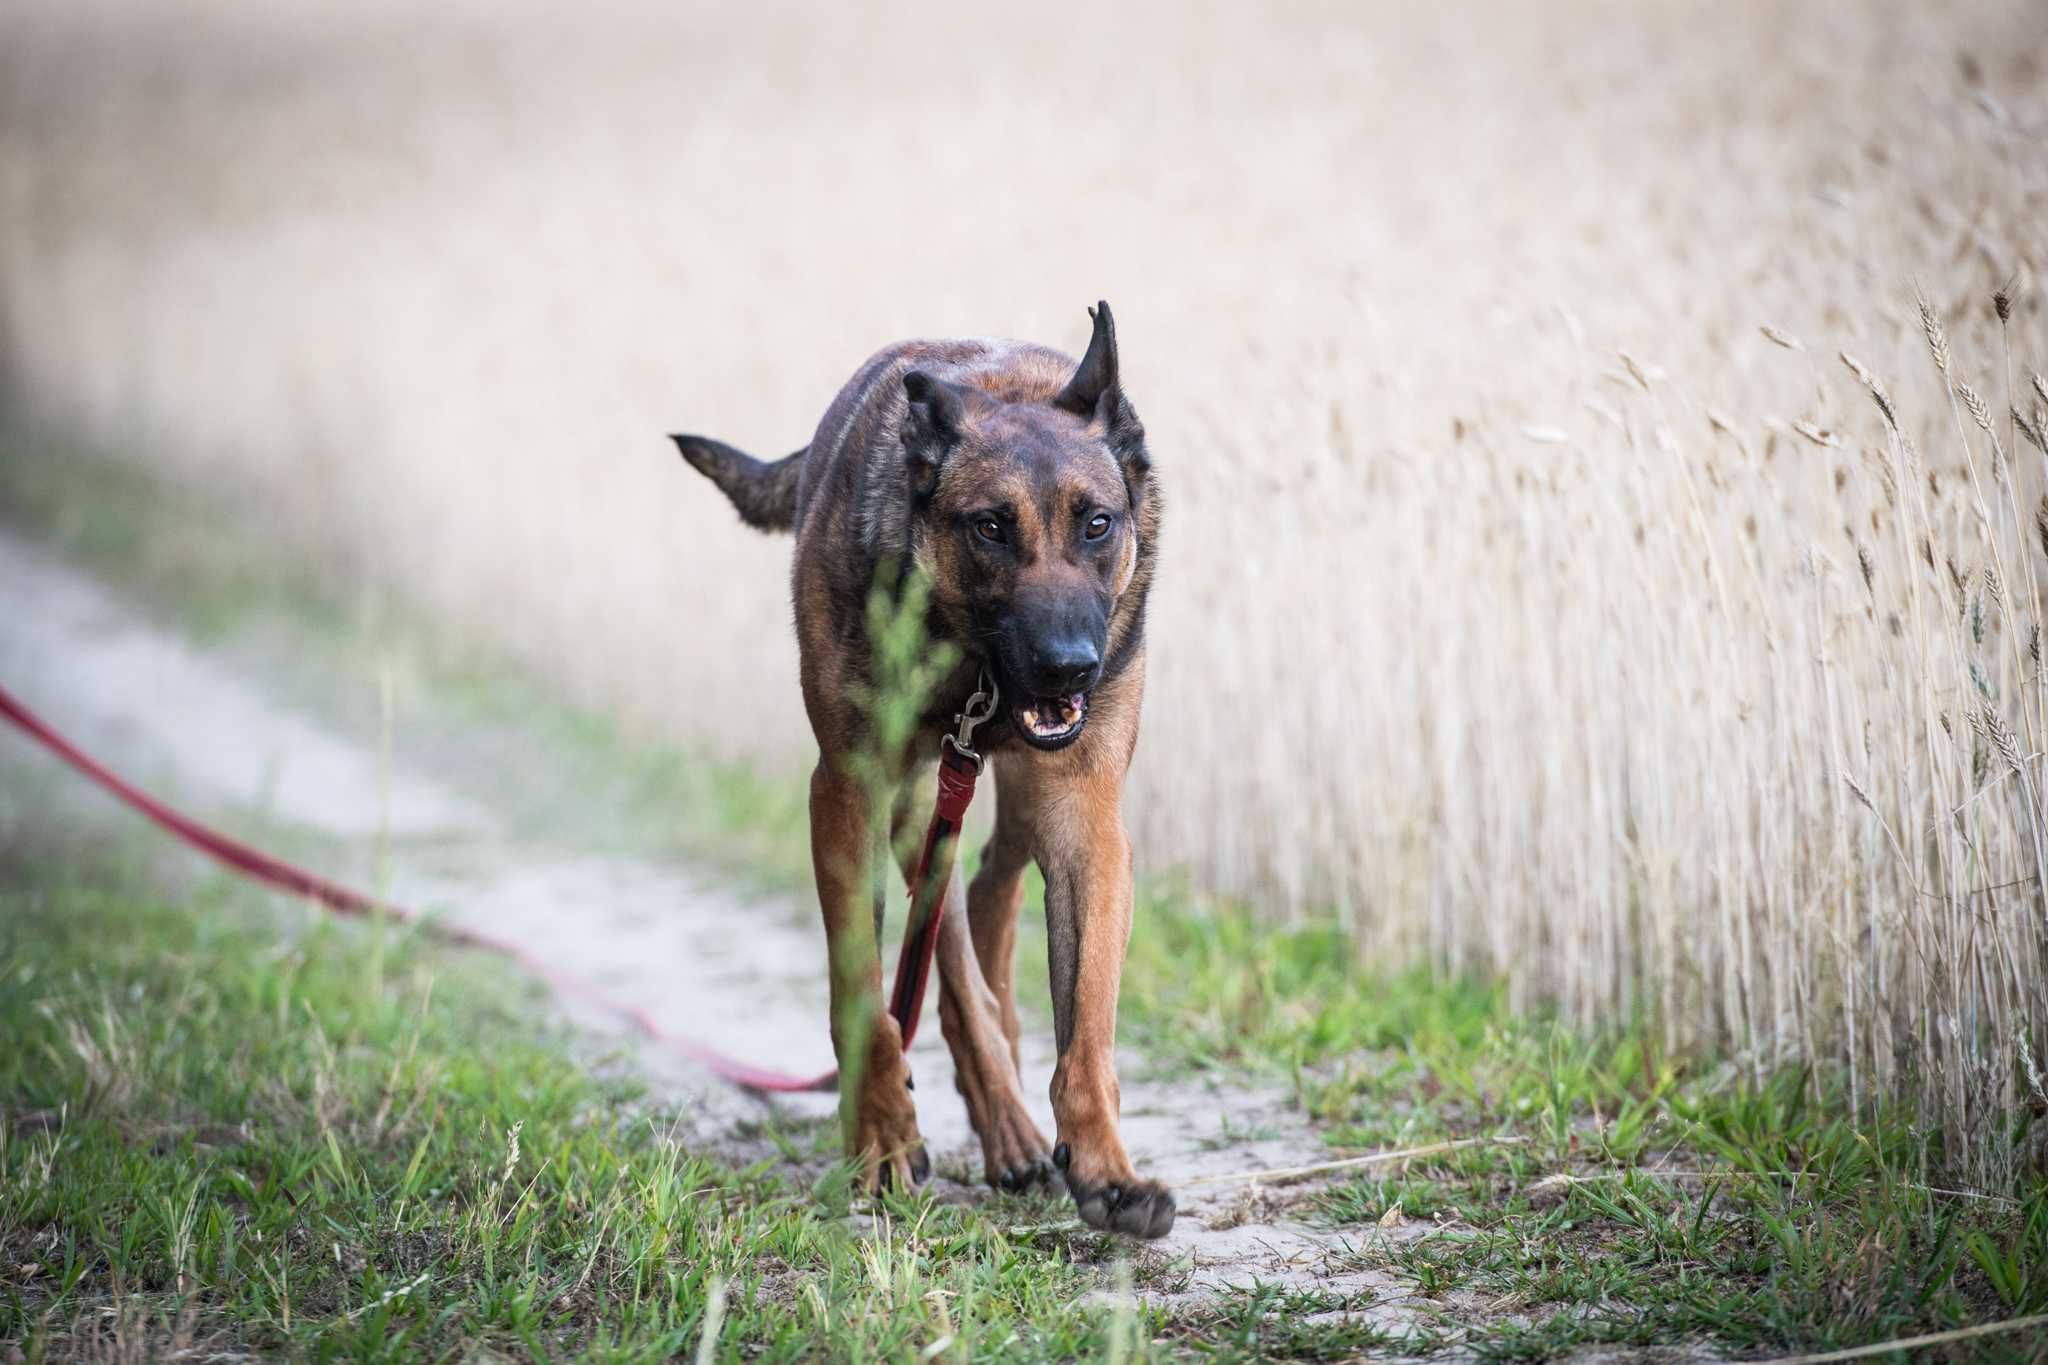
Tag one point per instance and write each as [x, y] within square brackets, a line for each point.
[1605, 504]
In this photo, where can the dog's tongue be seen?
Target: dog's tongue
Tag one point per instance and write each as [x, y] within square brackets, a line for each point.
[1054, 715]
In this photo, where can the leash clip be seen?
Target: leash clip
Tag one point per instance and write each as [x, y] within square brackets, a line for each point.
[972, 719]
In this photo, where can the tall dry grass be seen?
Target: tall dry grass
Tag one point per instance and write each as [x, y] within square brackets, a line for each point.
[1540, 587]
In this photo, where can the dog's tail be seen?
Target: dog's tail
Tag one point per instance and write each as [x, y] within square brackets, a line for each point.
[764, 493]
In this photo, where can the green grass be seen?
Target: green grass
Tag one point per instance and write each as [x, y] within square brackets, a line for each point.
[1610, 1196]
[296, 1139]
[304, 1143]
[279, 1136]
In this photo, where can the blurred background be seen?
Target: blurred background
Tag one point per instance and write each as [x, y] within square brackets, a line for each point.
[1540, 590]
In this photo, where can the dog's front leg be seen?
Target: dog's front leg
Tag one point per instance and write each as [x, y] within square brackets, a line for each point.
[1087, 864]
[877, 1119]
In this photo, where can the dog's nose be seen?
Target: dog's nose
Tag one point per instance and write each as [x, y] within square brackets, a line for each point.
[1064, 667]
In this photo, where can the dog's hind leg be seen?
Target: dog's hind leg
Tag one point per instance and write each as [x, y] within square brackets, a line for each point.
[1014, 1153]
[876, 1115]
[996, 896]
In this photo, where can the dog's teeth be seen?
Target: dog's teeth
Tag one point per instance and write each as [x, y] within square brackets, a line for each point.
[1050, 717]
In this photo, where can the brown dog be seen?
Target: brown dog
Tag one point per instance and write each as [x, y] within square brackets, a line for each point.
[1019, 483]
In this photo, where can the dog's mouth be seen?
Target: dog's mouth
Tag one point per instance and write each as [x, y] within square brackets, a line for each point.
[1050, 722]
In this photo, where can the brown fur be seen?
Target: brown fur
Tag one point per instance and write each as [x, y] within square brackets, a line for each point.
[930, 446]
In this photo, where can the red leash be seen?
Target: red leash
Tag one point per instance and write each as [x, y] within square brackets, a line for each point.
[959, 766]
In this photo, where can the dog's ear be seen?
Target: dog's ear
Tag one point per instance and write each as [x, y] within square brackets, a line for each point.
[1095, 377]
[932, 425]
[1095, 391]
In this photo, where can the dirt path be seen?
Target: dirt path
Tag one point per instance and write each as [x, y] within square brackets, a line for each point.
[214, 732]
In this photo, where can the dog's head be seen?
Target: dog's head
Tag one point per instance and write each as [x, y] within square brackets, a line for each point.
[1030, 517]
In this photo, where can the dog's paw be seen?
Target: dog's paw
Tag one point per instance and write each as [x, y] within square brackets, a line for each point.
[892, 1154]
[902, 1165]
[1137, 1208]
[1014, 1152]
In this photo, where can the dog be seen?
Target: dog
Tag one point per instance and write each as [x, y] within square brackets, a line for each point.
[1018, 482]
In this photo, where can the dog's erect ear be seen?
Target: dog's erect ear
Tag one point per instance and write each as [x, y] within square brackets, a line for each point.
[1095, 376]
[931, 427]
[1095, 391]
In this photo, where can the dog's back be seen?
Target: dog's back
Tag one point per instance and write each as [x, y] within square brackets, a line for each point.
[855, 459]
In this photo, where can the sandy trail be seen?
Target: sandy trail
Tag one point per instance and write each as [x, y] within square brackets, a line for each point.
[218, 736]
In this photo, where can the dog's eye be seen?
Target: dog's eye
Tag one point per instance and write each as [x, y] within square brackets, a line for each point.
[1098, 526]
[989, 529]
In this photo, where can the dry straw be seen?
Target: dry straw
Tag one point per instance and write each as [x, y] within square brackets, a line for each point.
[1523, 600]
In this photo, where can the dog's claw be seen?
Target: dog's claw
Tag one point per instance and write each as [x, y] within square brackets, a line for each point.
[1038, 1171]
[914, 1166]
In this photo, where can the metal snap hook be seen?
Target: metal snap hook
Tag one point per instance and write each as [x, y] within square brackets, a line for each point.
[980, 707]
